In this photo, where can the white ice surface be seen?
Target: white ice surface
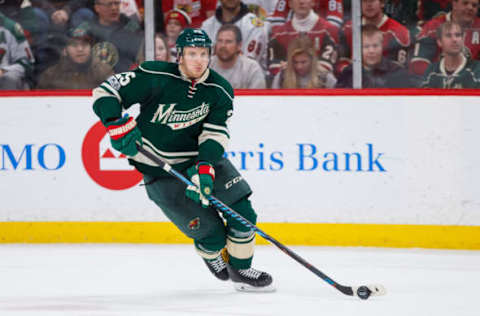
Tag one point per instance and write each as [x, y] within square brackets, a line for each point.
[103, 280]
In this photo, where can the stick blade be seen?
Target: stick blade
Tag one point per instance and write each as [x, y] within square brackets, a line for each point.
[377, 289]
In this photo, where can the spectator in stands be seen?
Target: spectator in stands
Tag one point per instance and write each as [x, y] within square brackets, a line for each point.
[454, 70]
[261, 8]
[116, 37]
[331, 10]
[175, 21]
[35, 23]
[130, 9]
[33, 20]
[16, 59]
[378, 71]
[411, 12]
[62, 16]
[65, 14]
[162, 53]
[403, 11]
[324, 37]
[161, 48]
[426, 49]
[428, 9]
[159, 24]
[396, 37]
[302, 68]
[242, 72]
[254, 31]
[77, 68]
[198, 10]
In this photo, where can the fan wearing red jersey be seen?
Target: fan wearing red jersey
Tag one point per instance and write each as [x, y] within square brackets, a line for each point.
[331, 10]
[396, 37]
[427, 50]
[304, 21]
[428, 9]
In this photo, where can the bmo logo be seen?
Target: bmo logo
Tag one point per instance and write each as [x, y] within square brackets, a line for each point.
[47, 157]
[106, 166]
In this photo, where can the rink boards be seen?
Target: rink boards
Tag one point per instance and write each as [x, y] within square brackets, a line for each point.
[339, 169]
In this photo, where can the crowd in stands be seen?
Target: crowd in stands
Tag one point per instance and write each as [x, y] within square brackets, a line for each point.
[278, 44]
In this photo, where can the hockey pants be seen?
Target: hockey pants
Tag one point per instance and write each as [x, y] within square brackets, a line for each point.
[210, 231]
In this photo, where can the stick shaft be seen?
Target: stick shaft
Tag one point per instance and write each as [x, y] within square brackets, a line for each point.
[222, 207]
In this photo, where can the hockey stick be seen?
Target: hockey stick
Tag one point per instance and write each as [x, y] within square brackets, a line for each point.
[363, 292]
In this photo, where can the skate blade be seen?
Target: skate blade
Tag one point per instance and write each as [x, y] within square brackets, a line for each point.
[243, 287]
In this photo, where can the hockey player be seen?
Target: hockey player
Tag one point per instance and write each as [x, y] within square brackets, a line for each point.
[254, 31]
[426, 49]
[184, 113]
[454, 70]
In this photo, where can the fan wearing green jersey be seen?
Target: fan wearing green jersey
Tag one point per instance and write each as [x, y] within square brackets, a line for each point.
[455, 69]
[185, 109]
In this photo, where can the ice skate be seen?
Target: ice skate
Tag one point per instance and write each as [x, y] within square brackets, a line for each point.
[251, 280]
[218, 267]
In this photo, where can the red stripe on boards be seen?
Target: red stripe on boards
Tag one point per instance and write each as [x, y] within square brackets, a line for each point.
[272, 92]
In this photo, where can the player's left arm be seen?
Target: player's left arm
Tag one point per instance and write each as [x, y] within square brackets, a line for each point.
[215, 135]
[212, 143]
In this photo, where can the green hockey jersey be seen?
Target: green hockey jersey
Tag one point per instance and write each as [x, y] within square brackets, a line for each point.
[181, 121]
[467, 75]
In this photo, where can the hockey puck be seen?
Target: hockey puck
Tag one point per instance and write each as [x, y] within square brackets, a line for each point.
[363, 292]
